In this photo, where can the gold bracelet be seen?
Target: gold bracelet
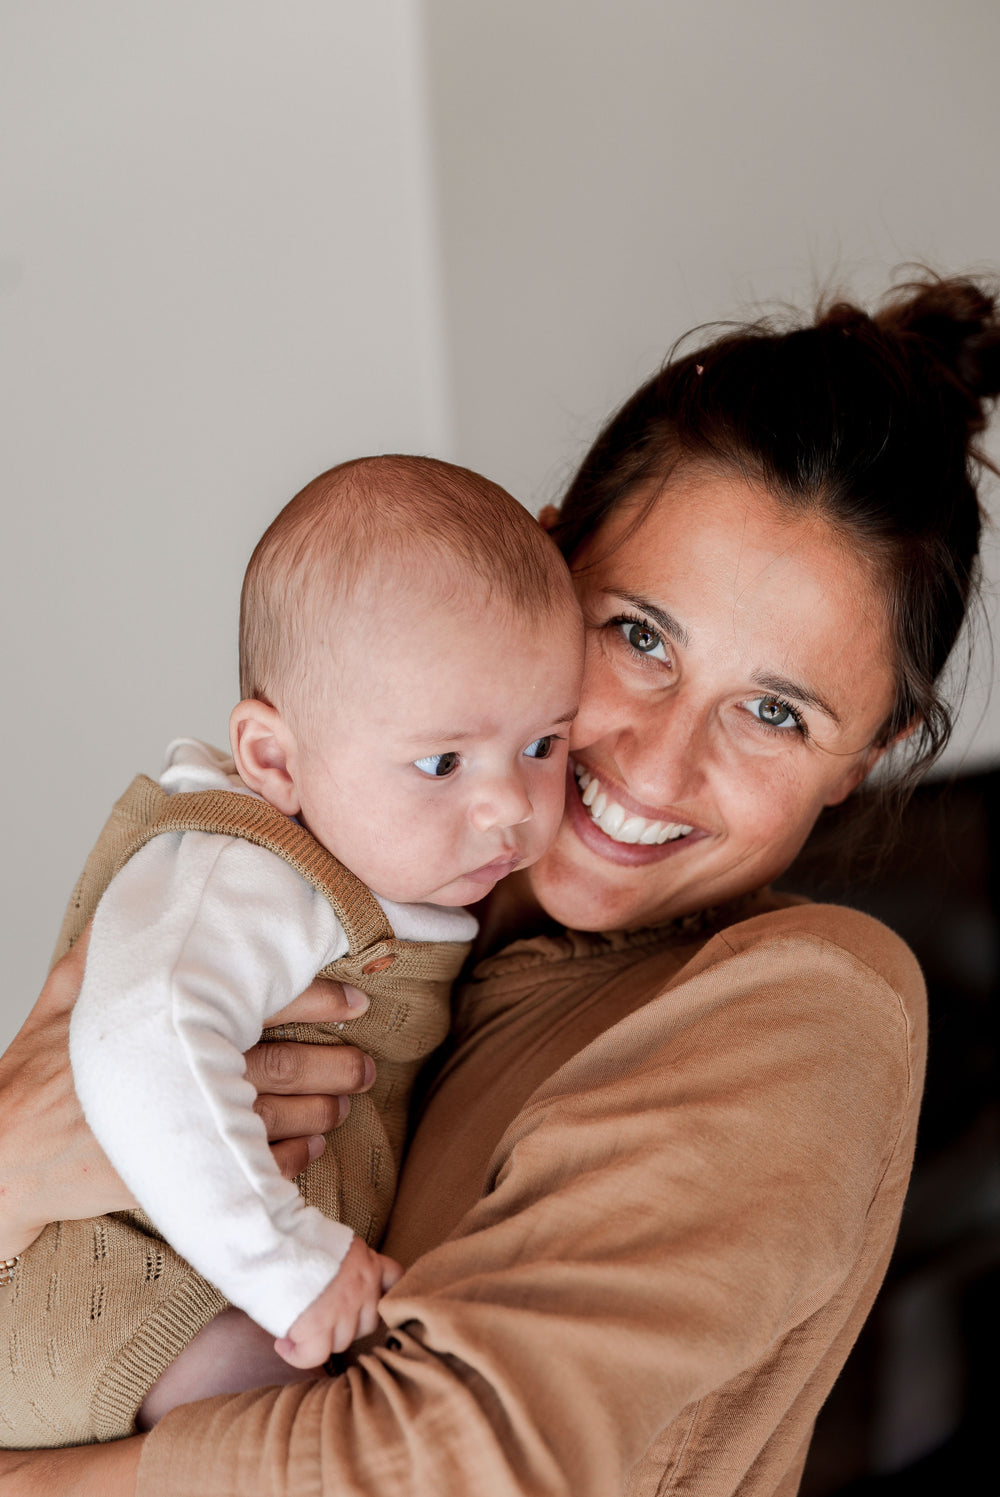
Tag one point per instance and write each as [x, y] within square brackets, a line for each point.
[7, 1267]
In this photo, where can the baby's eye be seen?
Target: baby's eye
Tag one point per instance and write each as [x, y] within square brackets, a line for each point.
[541, 748]
[774, 713]
[643, 638]
[437, 766]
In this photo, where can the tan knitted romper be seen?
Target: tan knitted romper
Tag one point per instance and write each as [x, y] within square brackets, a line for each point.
[97, 1309]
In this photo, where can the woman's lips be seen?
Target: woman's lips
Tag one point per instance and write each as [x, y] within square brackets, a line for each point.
[656, 838]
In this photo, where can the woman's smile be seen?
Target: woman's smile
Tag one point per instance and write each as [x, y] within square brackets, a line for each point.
[616, 827]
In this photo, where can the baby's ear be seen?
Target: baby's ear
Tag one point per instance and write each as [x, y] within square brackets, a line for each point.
[264, 749]
[548, 516]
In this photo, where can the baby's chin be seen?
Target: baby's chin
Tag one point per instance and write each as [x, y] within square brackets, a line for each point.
[457, 898]
[453, 897]
[466, 888]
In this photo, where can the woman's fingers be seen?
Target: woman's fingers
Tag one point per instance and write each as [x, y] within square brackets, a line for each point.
[291, 1155]
[304, 1089]
[308, 1095]
[300, 1117]
[323, 1002]
[277, 1068]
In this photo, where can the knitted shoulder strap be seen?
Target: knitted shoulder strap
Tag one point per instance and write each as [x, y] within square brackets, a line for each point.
[146, 811]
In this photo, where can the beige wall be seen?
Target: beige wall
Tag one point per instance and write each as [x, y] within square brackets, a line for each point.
[223, 266]
[216, 278]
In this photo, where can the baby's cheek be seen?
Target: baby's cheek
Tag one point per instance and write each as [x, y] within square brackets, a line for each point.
[550, 821]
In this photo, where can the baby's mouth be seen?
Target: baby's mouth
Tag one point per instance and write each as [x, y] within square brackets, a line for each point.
[618, 823]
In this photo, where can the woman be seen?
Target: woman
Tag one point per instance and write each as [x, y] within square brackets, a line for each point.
[656, 1183]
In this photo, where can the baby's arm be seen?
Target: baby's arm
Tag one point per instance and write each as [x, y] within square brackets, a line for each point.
[196, 943]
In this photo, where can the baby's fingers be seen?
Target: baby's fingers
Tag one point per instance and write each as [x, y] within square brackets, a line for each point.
[392, 1272]
[301, 1354]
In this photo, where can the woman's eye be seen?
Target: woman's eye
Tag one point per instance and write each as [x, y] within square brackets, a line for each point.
[643, 639]
[541, 748]
[437, 766]
[774, 713]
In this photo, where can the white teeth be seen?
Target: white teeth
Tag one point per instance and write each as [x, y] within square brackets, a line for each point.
[619, 824]
[633, 829]
[611, 819]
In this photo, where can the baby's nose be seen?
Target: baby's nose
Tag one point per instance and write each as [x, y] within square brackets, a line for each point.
[502, 803]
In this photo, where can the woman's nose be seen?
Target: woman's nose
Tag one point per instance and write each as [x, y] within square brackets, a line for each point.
[658, 745]
[500, 802]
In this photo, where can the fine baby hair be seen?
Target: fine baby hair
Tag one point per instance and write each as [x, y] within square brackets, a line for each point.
[870, 420]
[378, 520]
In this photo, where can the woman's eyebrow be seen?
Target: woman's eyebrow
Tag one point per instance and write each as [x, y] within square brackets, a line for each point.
[782, 687]
[664, 621]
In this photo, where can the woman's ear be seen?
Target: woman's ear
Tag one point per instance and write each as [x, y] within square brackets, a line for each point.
[548, 516]
[265, 752]
[865, 763]
[852, 778]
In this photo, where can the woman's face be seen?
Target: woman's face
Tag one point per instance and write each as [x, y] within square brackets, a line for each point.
[738, 671]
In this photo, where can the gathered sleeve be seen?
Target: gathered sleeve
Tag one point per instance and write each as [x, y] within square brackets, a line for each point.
[691, 1207]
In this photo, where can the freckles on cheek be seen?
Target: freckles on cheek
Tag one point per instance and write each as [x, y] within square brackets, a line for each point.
[777, 816]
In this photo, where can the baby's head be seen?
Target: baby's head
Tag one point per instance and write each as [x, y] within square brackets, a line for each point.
[410, 660]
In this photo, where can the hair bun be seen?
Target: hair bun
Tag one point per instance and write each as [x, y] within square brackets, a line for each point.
[957, 320]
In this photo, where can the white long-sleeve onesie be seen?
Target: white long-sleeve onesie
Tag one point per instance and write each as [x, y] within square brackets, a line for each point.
[197, 942]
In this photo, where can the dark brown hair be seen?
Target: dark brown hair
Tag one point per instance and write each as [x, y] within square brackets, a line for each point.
[870, 420]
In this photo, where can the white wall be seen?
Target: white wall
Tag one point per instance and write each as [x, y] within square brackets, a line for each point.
[216, 279]
[613, 172]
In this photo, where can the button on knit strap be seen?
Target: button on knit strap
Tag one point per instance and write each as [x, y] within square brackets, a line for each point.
[380, 964]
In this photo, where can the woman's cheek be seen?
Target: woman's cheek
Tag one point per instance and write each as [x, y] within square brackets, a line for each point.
[776, 812]
[603, 701]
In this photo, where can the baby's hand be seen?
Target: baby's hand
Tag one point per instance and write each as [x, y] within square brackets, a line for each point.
[347, 1308]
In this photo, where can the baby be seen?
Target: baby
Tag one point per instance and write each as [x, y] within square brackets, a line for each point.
[410, 658]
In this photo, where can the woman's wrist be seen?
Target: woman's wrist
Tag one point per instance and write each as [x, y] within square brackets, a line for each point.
[86, 1471]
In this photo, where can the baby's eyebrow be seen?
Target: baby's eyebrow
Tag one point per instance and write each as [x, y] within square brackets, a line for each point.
[462, 735]
[442, 735]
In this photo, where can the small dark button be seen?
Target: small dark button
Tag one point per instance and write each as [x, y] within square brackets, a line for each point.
[380, 964]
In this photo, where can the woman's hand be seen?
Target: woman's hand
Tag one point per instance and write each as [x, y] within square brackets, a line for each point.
[51, 1167]
[305, 1090]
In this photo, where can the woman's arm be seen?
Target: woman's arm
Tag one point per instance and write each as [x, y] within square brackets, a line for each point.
[90, 1471]
[51, 1168]
[678, 1237]
[677, 1240]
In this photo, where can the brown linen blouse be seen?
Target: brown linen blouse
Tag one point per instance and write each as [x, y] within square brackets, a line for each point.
[650, 1200]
